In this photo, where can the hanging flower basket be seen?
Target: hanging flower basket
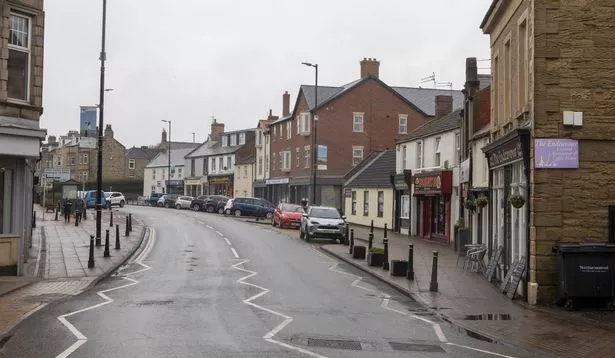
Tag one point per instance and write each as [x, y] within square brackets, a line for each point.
[469, 205]
[460, 223]
[516, 200]
[481, 202]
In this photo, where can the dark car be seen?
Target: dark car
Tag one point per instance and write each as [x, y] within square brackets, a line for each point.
[209, 203]
[245, 206]
[169, 200]
[152, 199]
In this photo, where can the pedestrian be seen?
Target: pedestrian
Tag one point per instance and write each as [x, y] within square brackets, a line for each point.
[80, 208]
[67, 209]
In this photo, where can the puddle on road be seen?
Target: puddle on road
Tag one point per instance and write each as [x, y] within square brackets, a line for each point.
[488, 317]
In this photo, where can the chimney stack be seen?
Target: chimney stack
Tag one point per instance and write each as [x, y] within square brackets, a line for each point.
[285, 104]
[472, 82]
[108, 131]
[444, 105]
[217, 129]
[370, 67]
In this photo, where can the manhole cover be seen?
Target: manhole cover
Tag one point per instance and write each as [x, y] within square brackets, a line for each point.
[155, 303]
[334, 343]
[413, 347]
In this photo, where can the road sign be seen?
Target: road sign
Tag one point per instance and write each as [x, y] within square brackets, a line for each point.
[57, 174]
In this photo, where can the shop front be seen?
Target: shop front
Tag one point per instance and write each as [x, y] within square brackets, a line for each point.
[221, 185]
[401, 184]
[175, 186]
[193, 187]
[260, 189]
[277, 189]
[508, 159]
[432, 191]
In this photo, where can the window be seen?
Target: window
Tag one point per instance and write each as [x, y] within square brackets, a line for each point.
[225, 141]
[419, 154]
[306, 151]
[404, 158]
[266, 164]
[357, 155]
[245, 171]
[357, 122]
[275, 131]
[403, 124]
[71, 160]
[179, 173]
[220, 164]
[457, 148]
[305, 122]
[242, 138]
[6, 200]
[298, 125]
[495, 92]
[289, 129]
[507, 81]
[212, 165]
[260, 166]
[273, 162]
[228, 163]
[233, 140]
[18, 84]
[204, 166]
[297, 156]
[131, 164]
[153, 174]
[85, 158]
[164, 174]
[354, 202]
[259, 138]
[404, 207]
[437, 152]
[522, 64]
[365, 203]
[287, 157]
[380, 204]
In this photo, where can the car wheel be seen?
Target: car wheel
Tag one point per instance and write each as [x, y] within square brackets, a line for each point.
[221, 211]
[166, 205]
[227, 212]
[237, 212]
[196, 207]
[178, 206]
[211, 209]
[308, 237]
[269, 215]
[108, 205]
[159, 205]
[122, 203]
[273, 222]
[301, 234]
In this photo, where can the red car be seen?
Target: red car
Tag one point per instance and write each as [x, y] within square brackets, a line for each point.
[288, 215]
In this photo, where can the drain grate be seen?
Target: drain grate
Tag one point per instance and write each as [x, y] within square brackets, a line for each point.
[334, 344]
[155, 303]
[488, 317]
[413, 347]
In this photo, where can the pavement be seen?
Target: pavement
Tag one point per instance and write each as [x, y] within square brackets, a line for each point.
[469, 302]
[208, 285]
[58, 265]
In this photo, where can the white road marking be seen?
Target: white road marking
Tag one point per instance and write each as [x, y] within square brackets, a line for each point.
[219, 233]
[287, 319]
[385, 305]
[227, 241]
[81, 338]
[235, 252]
[209, 227]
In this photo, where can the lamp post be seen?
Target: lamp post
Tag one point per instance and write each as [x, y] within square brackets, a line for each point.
[101, 109]
[169, 163]
[314, 148]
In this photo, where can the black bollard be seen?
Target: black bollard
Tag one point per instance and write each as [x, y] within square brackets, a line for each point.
[130, 222]
[107, 254]
[370, 241]
[433, 285]
[117, 237]
[56, 215]
[371, 227]
[111, 220]
[84, 215]
[347, 235]
[351, 241]
[91, 258]
[98, 242]
[385, 230]
[34, 219]
[385, 263]
[127, 228]
[410, 273]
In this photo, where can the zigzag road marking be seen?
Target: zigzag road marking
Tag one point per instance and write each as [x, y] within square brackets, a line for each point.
[81, 338]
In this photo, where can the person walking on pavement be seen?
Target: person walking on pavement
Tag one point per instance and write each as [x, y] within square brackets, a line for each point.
[80, 208]
[67, 209]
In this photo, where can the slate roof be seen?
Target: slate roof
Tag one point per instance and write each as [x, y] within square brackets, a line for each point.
[449, 122]
[162, 159]
[374, 173]
[141, 153]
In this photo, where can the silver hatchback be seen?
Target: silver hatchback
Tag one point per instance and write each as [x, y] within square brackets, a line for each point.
[183, 202]
[322, 221]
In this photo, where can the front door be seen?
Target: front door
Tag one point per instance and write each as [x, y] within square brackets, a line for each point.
[426, 220]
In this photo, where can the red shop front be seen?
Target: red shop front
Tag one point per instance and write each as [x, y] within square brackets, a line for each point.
[433, 193]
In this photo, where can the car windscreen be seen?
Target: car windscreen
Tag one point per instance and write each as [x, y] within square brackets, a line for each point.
[325, 213]
[291, 208]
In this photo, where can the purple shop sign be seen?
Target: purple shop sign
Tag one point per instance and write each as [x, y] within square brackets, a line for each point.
[556, 153]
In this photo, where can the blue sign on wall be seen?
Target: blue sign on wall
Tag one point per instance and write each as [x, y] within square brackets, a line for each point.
[87, 121]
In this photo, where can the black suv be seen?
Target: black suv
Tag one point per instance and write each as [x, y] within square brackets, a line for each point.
[209, 203]
[169, 200]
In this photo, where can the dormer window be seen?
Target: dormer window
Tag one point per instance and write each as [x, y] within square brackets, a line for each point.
[233, 140]
[225, 141]
[242, 138]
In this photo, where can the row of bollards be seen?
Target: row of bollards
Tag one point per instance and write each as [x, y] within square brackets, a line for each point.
[409, 271]
[97, 241]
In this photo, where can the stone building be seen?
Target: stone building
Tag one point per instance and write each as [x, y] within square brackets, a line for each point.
[21, 99]
[552, 129]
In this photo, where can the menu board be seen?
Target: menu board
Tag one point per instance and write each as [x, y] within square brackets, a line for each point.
[506, 281]
[517, 274]
[493, 262]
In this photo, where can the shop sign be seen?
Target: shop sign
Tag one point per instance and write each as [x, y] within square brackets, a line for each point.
[556, 153]
[219, 180]
[464, 171]
[174, 182]
[433, 183]
[188, 182]
[428, 183]
[277, 181]
[507, 153]
[347, 192]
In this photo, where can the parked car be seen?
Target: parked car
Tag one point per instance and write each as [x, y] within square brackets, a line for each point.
[183, 202]
[90, 199]
[210, 203]
[287, 215]
[322, 221]
[152, 199]
[115, 198]
[169, 200]
[160, 201]
[244, 206]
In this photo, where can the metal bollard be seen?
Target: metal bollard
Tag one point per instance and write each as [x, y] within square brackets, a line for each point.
[106, 254]
[370, 241]
[34, 219]
[385, 230]
[111, 220]
[347, 235]
[351, 241]
[433, 285]
[410, 272]
[84, 215]
[130, 222]
[385, 263]
[56, 219]
[98, 242]
[371, 227]
[127, 228]
[91, 258]
[117, 237]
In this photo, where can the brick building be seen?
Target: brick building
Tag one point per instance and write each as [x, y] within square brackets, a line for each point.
[553, 82]
[352, 121]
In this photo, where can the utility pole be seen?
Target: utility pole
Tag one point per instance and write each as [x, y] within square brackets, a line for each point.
[101, 108]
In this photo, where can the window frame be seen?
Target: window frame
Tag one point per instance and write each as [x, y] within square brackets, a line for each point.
[457, 148]
[403, 117]
[289, 129]
[354, 157]
[241, 140]
[27, 50]
[365, 202]
[298, 157]
[132, 164]
[286, 160]
[419, 154]
[307, 152]
[355, 116]
[353, 203]
[437, 154]
[380, 202]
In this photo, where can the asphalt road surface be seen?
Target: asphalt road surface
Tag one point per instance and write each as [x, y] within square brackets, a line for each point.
[205, 285]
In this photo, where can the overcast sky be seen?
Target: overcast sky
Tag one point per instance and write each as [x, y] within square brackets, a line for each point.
[189, 60]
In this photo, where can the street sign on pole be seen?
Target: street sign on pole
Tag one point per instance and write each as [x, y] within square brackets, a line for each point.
[57, 174]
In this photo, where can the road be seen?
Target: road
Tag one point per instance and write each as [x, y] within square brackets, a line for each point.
[205, 285]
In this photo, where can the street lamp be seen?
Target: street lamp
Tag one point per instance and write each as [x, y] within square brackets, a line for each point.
[101, 107]
[314, 149]
[169, 150]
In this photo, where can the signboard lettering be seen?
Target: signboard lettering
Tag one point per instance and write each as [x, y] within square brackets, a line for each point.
[556, 153]
[506, 281]
[430, 182]
[464, 171]
[518, 273]
[493, 262]
[507, 153]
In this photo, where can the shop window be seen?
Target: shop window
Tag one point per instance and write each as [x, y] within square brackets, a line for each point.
[404, 207]
[365, 203]
[6, 200]
[354, 202]
[380, 204]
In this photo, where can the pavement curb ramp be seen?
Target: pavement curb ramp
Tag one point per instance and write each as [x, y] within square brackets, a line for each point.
[407, 293]
[4, 336]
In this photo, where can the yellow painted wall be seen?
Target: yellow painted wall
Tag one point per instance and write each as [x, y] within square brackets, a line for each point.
[359, 218]
[8, 250]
